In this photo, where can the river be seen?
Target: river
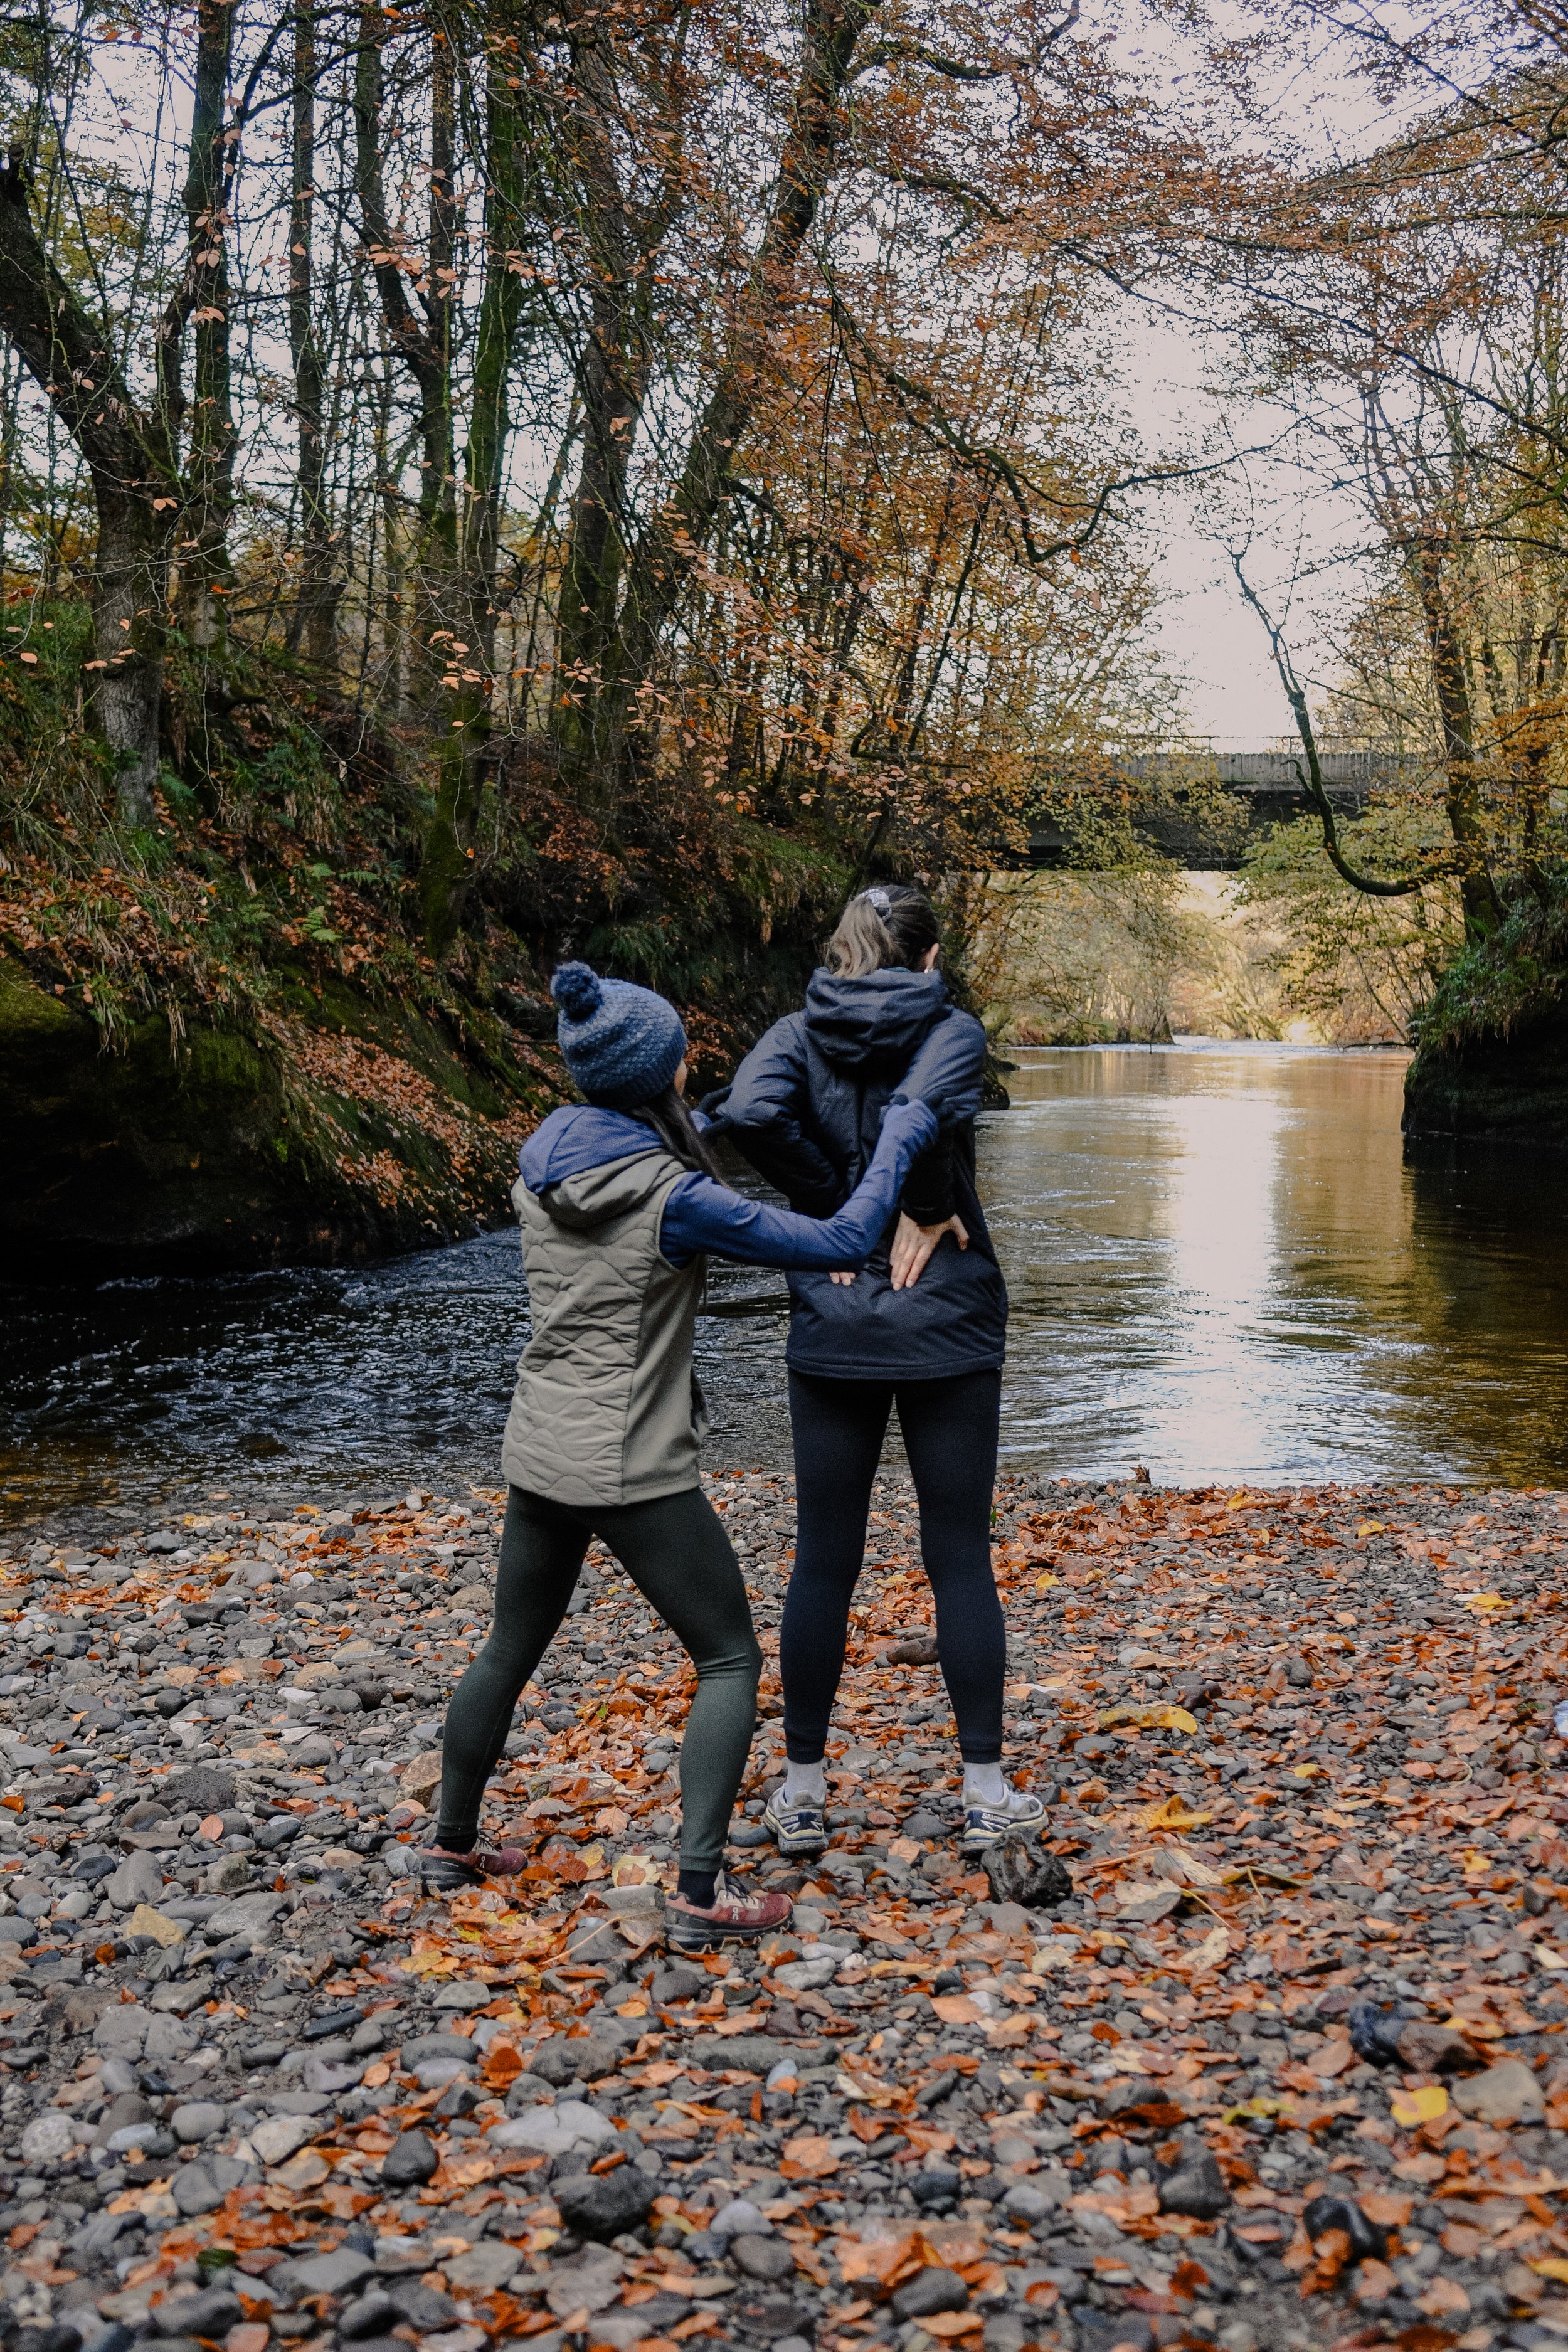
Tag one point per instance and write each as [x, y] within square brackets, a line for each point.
[1223, 1265]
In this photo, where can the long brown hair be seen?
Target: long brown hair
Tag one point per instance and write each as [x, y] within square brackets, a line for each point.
[889, 926]
[672, 1122]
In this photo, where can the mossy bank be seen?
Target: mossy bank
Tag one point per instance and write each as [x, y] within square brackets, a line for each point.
[1491, 1058]
[225, 1039]
[317, 1131]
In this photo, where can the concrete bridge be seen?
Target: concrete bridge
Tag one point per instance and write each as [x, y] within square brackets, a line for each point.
[1259, 788]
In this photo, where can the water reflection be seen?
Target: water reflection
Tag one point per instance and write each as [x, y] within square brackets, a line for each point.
[1222, 1264]
[306, 1385]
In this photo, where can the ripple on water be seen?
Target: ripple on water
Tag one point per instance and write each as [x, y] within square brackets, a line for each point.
[1222, 1264]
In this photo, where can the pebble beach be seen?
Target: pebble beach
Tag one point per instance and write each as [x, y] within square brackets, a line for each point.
[1259, 2045]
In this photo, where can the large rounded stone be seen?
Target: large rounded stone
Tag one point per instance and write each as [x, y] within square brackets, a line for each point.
[198, 2119]
[580, 2060]
[209, 2312]
[936, 2185]
[1197, 2188]
[205, 1789]
[49, 2139]
[738, 2218]
[375, 2314]
[409, 2162]
[426, 2308]
[602, 2204]
[1506, 2092]
[752, 2053]
[931, 2290]
[761, 2318]
[127, 2108]
[200, 2188]
[769, 2259]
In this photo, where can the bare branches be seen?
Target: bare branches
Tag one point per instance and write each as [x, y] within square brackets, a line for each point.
[1371, 885]
[889, 54]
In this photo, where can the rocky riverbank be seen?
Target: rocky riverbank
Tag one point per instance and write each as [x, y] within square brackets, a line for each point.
[327, 1129]
[1281, 2070]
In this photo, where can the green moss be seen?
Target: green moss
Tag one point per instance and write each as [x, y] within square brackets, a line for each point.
[240, 1046]
[1509, 980]
[1491, 1055]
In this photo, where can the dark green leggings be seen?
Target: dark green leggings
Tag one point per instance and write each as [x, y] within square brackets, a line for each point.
[678, 1557]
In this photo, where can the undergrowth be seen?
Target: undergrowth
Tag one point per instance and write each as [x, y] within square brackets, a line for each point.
[281, 872]
[1496, 986]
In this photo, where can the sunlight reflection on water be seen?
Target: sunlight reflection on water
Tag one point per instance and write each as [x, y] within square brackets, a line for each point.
[1222, 1264]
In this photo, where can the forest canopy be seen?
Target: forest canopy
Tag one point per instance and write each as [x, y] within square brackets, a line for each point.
[644, 442]
[477, 480]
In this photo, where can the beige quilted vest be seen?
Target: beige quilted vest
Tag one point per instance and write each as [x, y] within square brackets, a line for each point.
[606, 1408]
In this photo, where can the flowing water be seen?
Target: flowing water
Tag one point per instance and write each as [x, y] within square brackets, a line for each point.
[1223, 1265]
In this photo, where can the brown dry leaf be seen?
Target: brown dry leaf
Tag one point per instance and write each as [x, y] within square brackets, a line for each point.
[809, 2156]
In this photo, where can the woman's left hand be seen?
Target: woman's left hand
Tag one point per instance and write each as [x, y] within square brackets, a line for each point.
[912, 1246]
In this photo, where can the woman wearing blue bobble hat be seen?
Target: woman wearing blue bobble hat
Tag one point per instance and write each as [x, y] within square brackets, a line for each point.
[620, 1203]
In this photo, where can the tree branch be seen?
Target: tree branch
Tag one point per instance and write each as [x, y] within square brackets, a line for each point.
[915, 53]
[1311, 781]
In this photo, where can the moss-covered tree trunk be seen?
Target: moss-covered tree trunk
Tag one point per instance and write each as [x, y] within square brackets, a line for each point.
[126, 451]
[1462, 787]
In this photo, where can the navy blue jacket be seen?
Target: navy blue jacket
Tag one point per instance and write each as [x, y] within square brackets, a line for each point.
[702, 1218]
[806, 1109]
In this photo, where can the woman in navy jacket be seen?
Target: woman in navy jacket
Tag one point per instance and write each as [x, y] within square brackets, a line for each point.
[922, 1326]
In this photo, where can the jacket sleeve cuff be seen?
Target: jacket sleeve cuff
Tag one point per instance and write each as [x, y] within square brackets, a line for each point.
[928, 1195]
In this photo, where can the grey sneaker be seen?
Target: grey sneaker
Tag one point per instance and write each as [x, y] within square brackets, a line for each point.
[987, 1825]
[798, 1829]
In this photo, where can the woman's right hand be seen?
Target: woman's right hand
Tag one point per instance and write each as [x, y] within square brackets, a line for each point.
[913, 1245]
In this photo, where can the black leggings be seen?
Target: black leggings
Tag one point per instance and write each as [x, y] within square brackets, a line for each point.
[950, 1436]
[678, 1557]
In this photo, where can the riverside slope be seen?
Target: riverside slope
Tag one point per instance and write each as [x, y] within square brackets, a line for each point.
[257, 2088]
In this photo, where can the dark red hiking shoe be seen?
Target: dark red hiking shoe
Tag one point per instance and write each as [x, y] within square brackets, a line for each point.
[444, 1872]
[735, 1916]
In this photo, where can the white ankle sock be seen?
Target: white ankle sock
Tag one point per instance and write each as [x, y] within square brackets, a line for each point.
[805, 1784]
[983, 1785]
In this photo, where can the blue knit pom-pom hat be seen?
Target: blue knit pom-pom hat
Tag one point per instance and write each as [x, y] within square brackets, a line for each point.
[622, 1043]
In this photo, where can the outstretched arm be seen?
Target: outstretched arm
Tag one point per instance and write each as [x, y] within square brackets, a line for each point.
[762, 1115]
[702, 1216]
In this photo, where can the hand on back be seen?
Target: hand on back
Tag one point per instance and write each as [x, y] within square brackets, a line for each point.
[912, 1247]
[913, 1244]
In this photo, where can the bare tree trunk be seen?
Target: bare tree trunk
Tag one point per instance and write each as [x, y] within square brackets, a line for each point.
[1462, 792]
[313, 621]
[446, 863]
[424, 346]
[657, 577]
[134, 484]
[206, 576]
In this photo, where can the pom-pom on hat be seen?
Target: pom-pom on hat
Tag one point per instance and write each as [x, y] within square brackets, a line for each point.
[622, 1043]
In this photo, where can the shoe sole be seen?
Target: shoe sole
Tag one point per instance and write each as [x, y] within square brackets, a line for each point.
[790, 1845]
[713, 1939]
[999, 1837]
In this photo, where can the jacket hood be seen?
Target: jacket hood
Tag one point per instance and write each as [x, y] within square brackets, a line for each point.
[584, 1165]
[879, 1018]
